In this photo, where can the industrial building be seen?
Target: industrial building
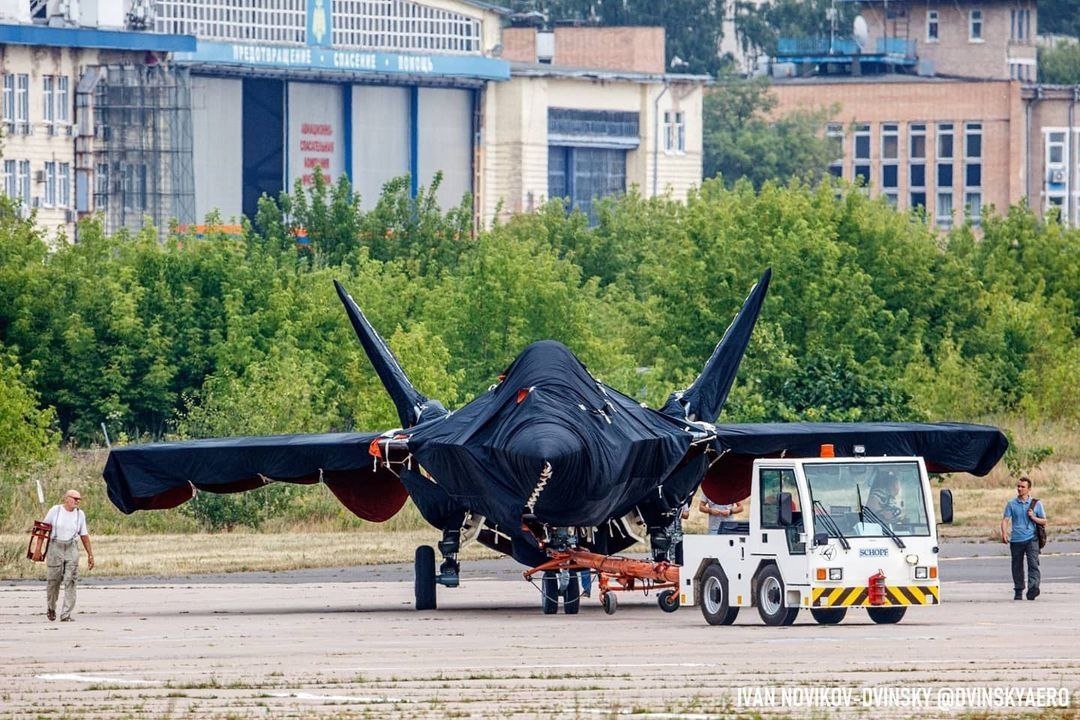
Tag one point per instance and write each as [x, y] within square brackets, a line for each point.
[225, 101]
[92, 116]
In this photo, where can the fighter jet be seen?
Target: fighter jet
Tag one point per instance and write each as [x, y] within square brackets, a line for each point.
[549, 466]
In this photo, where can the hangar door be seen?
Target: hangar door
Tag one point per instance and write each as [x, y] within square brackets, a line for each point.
[316, 132]
[217, 152]
[381, 138]
[263, 121]
[445, 141]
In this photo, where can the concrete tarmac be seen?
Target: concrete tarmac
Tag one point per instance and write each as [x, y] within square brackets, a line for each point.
[347, 643]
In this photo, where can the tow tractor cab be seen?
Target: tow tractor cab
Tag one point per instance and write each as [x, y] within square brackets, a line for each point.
[825, 534]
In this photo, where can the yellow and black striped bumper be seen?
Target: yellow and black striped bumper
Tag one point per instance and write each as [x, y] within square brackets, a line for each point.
[858, 596]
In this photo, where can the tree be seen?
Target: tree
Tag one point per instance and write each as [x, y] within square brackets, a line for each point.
[1059, 17]
[741, 141]
[1060, 65]
[26, 431]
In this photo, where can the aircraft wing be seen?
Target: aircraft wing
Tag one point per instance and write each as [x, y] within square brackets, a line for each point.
[946, 447]
[164, 475]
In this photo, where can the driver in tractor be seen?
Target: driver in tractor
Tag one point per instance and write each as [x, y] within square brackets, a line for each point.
[884, 496]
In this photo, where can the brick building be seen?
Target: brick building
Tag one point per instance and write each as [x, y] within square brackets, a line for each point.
[937, 109]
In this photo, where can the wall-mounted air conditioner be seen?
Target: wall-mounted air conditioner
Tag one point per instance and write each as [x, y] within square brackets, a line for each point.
[35, 201]
[1057, 175]
[69, 216]
[39, 177]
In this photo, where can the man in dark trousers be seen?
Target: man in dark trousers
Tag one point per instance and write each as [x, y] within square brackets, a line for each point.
[1024, 516]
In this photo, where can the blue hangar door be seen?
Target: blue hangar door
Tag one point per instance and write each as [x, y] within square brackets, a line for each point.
[264, 130]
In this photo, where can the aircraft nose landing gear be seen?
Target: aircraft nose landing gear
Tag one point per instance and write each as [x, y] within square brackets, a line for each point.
[424, 569]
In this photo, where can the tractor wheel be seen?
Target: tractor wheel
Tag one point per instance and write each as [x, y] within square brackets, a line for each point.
[715, 601]
[886, 615]
[828, 616]
[770, 599]
[610, 603]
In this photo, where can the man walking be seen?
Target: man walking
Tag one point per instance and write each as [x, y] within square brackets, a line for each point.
[1024, 516]
[62, 561]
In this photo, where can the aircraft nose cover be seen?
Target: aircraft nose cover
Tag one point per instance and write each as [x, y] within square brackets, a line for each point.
[549, 440]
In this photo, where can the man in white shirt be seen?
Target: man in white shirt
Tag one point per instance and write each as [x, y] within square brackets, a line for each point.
[720, 515]
[62, 561]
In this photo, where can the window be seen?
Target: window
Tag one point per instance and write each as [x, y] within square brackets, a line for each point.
[62, 103]
[1055, 148]
[861, 169]
[47, 100]
[584, 174]
[944, 210]
[50, 184]
[834, 135]
[674, 132]
[975, 24]
[891, 490]
[63, 186]
[10, 188]
[973, 157]
[917, 164]
[9, 103]
[945, 155]
[890, 169]
[22, 104]
[23, 181]
[1019, 24]
[973, 207]
[931, 26]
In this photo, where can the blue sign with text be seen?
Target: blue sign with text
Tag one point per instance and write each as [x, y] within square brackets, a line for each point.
[315, 57]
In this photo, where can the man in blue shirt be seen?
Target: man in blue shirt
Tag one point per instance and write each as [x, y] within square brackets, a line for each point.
[1024, 516]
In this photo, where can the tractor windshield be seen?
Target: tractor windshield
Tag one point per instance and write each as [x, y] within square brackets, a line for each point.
[892, 492]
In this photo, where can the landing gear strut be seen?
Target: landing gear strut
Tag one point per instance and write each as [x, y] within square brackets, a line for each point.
[424, 569]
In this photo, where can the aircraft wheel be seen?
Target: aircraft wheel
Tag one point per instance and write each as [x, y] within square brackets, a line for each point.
[828, 616]
[549, 595]
[770, 599]
[610, 603]
[424, 576]
[886, 615]
[668, 601]
[572, 595]
[715, 602]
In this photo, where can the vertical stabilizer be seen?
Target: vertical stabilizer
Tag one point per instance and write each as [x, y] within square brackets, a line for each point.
[412, 405]
[706, 395]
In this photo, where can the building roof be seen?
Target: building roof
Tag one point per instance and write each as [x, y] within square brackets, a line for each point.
[892, 78]
[493, 7]
[94, 38]
[520, 69]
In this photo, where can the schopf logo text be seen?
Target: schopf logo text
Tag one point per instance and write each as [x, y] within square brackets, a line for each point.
[873, 552]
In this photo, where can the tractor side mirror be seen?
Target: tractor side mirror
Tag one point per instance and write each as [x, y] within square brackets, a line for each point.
[821, 539]
[946, 506]
[784, 510]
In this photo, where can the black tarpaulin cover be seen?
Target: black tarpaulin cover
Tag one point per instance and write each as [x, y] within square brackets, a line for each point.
[946, 447]
[551, 439]
[705, 396]
[144, 477]
[412, 405]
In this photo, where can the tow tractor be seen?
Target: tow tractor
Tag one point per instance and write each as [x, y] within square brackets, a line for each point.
[825, 534]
